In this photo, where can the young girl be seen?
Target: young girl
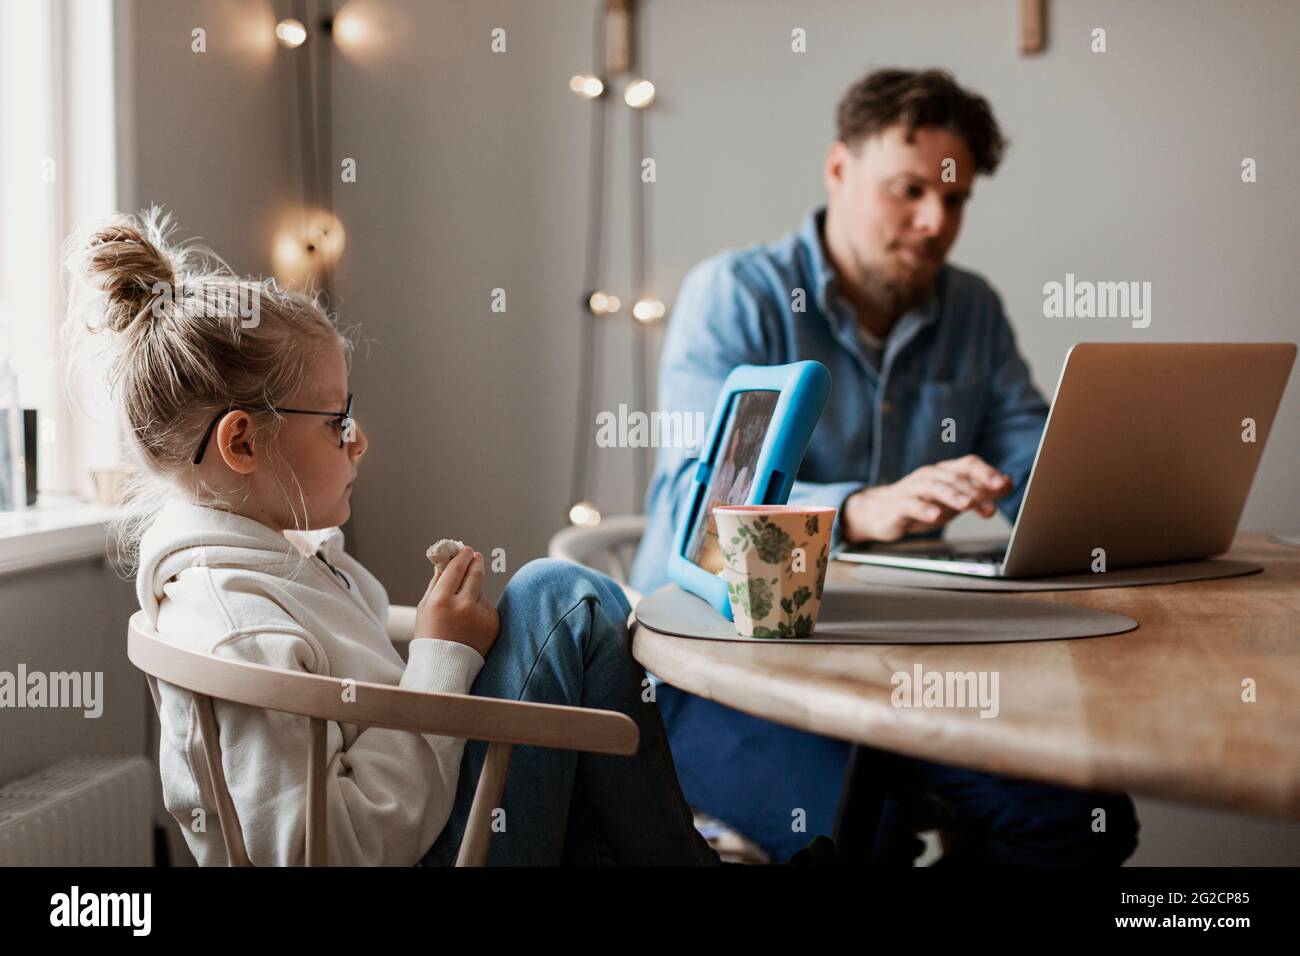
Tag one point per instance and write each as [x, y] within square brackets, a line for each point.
[236, 410]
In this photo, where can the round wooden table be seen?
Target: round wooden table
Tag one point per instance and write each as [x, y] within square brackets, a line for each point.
[1157, 711]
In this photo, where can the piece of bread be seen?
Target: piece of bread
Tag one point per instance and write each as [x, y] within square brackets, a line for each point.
[441, 552]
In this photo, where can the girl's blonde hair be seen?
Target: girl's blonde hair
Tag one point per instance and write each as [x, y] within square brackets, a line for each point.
[181, 339]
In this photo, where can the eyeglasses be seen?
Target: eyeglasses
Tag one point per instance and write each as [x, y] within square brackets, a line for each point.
[345, 422]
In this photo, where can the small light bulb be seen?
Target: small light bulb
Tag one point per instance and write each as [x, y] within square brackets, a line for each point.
[587, 84]
[584, 515]
[288, 251]
[349, 28]
[648, 310]
[601, 303]
[291, 33]
[639, 94]
[307, 246]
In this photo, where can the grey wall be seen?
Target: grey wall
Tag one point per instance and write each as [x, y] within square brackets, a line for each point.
[472, 172]
[212, 135]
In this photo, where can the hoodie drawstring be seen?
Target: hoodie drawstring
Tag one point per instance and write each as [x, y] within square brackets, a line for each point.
[344, 577]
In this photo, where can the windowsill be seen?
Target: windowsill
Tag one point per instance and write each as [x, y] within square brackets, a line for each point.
[56, 529]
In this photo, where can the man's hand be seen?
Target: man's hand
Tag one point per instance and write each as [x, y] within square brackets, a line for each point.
[926, 499]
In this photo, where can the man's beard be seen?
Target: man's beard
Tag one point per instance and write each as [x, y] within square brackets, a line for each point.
[892, 297]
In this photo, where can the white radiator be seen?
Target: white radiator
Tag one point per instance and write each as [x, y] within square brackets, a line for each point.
[83, 811]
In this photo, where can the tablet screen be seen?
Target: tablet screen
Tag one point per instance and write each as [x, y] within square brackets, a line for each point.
[748, 419]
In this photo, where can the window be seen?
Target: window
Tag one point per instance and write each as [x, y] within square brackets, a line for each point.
[58, 168]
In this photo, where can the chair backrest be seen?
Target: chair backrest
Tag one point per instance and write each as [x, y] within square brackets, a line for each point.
[609, 547]
[503, 723]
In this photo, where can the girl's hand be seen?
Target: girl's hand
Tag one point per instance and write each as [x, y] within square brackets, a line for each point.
[453, 607]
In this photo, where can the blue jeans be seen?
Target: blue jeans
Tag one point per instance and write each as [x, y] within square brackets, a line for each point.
[564, 640]
[761, 778]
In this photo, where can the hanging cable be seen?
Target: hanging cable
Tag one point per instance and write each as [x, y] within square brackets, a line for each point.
[640, 270]
[307, 144]
[325, 126]
[591, 273]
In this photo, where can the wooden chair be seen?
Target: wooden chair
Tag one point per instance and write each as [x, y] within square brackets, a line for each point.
[502, 723]
[609, 547]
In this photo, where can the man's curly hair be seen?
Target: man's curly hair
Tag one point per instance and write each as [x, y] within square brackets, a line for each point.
[918, 98]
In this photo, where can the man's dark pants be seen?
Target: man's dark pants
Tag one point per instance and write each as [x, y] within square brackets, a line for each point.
[781, 787]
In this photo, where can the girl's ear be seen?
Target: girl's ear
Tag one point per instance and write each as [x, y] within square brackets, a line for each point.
[235, 442]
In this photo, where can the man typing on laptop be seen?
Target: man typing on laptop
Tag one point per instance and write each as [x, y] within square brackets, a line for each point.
[931, 413]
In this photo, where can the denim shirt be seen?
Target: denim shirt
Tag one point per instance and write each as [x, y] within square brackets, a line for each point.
[954, 357]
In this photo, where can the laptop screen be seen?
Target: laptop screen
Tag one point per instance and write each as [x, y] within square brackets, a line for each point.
[748, 420]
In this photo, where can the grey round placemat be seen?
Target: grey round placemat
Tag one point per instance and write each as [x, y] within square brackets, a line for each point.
[1289, 538]
[860, 615]
[880, 576]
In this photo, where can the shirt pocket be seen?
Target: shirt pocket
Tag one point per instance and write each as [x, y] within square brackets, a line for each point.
[944, 421]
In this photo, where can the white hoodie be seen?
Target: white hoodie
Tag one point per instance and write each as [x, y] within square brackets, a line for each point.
[223, 584]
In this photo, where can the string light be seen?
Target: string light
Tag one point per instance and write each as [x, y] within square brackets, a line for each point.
[613, 50]
[602, 303]
[584, 515]
[307, 249]
[350, 28]
[587, 84]
[639, 94]
[291, 33]
[648, 310]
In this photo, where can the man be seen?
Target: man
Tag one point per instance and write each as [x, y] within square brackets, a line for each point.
[931, 413]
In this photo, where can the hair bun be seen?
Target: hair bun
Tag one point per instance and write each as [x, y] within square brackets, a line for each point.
[126, 259]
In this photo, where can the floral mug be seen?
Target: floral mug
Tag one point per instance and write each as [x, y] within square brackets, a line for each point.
[774, 562]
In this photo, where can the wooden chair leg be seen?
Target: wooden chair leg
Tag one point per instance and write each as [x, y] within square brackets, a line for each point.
[231, 832]
[317, 849]
[487, 797]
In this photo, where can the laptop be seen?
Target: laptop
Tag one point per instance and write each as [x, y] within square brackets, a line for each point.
[1148, 453]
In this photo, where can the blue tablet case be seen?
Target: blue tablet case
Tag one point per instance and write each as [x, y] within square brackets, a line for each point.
[802, 389]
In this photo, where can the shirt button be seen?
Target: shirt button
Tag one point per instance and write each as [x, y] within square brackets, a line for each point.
[885, 407]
